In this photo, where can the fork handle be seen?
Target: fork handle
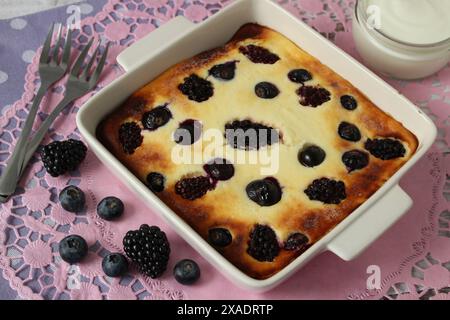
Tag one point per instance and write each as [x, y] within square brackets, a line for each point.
[13, 169]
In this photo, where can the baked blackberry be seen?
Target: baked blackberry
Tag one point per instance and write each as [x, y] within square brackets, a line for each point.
[263, 244]
[296, 241]
[130, 137]
[196, 88]
[193, 188]
[60, 157]
[249, 135]
[224, 71]
[149, 248]
[326, 190]
[355, 160]
[313, 96]
[349, 132]
[258, 54]
[385, 149]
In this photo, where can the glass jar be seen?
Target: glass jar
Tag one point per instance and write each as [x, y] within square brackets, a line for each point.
[394, 57]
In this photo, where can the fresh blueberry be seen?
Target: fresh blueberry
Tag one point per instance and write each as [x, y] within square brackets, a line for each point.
[115, 265]
[266, 90]
[186, 272]
[73, 249]
[348, 131]
[110, 208]
[299, 75]
[219, 237]
[72, 199]
[219, 169]
[348, 102]
[156, 181]
[156, 118]
[266, 192]
[311, 156]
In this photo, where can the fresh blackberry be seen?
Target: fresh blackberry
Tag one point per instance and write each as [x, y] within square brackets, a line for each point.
[266, 90]
[296, 241]
[130, 137]
[196, 88]
[60, 157]
[355, 160]
[348, 131]
[313, 96]
[156, 118]
[299, 75]
[348, 102]
[385, 149]
[326, 190]
[193, 188]
[263, 244]
[249, 135]
[149, 248]
[258, 54]
[224, 71]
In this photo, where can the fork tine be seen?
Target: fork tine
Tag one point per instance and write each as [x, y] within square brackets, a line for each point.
[86, 70]
[98, 70]
[58, 44]
[77, 67]
[67, 46]
[47, 44]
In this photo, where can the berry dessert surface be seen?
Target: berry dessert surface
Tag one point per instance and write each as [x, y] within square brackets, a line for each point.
[335, 147]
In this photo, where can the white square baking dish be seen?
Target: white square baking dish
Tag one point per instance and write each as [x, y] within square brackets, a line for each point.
[179, 39]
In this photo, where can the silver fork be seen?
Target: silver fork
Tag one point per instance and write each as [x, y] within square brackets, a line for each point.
[51, 69]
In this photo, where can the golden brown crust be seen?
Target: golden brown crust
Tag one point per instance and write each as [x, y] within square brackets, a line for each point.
[228, 205]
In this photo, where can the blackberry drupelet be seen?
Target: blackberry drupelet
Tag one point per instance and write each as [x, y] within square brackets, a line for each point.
[258, 54]
[263, 244]
[326, 190]
[130, 137]
[149, 248]
[196, 88]
[385, 149]
[60, 157]
[193, 188]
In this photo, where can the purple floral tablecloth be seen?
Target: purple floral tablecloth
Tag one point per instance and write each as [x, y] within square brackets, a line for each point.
[413, 256]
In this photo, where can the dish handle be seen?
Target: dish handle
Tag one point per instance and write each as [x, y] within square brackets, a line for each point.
[156, 40]
[371, 224]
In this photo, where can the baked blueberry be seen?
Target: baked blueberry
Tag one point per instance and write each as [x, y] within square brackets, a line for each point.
[110, 208]
[257, 54]
[266, 90]
[188, 132]
[355, 160]
[130, 137]
[196, 88]
[219, 237]
[115, 265]
[265, 192]
[385, 149]
[313, 96]
[219, 169]
[349, 102]
[326, 190]
[193, 188]
[299, 75]
[311, 156]
[224, 71]
[263, 243]
[73, 249]
[72, 199]
[156, 181]
[156, 118]
[186, 272]
[249, 135]
[296, 241]
[348, 131]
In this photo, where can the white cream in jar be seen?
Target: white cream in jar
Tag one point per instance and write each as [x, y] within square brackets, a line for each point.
[405, 39]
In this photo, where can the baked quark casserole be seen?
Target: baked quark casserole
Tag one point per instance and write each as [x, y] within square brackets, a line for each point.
[334, 147]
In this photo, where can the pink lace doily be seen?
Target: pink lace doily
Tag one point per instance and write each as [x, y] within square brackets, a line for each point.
[414, 255]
